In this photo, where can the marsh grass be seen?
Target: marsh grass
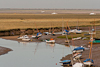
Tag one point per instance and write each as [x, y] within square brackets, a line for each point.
[24, 21]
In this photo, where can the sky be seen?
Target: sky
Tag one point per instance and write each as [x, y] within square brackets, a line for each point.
[51, 4]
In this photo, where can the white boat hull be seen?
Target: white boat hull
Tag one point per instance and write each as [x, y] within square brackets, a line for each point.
[78, 56]
[20, 38]
[92, 32]
[25, 39]
[88, 63]
[50, 41]
[75, 31]
[78, 38]
[39, 35]
[77, 51]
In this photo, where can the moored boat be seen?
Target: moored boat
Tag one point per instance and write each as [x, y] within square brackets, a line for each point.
[25, 36]
[39, 34]
[50, 41]
[78, 49]
[88, 62]
[26, 39]
[65, 62]
[77, 55]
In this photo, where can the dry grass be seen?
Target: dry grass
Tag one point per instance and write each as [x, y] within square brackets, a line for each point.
[23, 21]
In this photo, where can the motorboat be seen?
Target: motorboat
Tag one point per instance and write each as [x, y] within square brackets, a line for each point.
[26, 39]
[25, 36]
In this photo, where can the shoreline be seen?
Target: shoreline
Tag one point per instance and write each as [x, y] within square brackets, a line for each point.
[85, 54]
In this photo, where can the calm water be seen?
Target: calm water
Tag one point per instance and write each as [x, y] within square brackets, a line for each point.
[32, 54]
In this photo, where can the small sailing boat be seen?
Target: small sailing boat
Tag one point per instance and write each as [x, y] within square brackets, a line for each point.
[78, 49]
[50, 40]
[75, 31]
[78, 65]
[77, 55]
[78, 38]
[65, 62]
[89, 61]
[46, 33]
[39, 34]
[65, 32]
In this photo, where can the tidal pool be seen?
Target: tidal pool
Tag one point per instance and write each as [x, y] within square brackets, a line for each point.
[33, 54]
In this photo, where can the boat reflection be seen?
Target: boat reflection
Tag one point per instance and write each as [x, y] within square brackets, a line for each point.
[24, 43]
[52, 45]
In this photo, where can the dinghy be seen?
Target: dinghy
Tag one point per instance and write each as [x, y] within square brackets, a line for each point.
[75, 31]
[65, 62]
[46, 33]
[78, 65]
[33, 36]
[78, 49]
[65, 32]
[72, 31]
[50, 41]
[79, 31]
[92, 32]
[39, 34]
[67, 41]
[77, 56]
[95, 41]
[78, 38]
[88, 62]
[20, 37]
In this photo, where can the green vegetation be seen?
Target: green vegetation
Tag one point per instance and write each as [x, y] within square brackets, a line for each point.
[73, 35]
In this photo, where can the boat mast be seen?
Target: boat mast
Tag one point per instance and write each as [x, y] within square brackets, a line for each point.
[62, 25]
[36, 26]
[68, 25]
[90, 54]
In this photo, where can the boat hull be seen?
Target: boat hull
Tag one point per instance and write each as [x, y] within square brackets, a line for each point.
[88, 63]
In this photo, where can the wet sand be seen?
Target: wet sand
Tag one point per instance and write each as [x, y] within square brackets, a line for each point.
[85, 54]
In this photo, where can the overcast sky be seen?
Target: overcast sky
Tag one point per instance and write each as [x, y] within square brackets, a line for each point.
[68, 4]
